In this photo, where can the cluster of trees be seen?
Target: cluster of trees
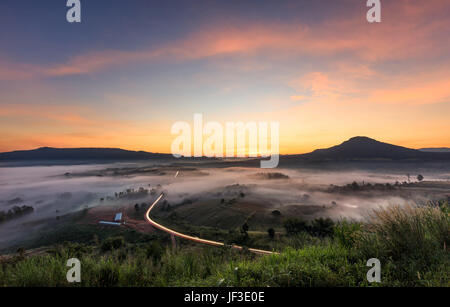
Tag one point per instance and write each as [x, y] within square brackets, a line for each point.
[135, 193]
[272, 176]
[355, 186]
[368, 186]
[143, 206]
[15, 212]
[319, 227]
[137, 208]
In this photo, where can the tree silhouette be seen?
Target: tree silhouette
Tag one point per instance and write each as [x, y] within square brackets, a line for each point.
[244, 228]
[271, 232]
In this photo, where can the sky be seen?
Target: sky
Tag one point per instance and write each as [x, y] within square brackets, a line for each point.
[131, 69]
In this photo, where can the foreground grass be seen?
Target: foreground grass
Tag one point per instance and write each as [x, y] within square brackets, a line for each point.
[411, 243]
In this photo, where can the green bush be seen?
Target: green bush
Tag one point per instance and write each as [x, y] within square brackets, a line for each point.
[154, 251]
[322, 227]
[112, 243]
[294, 226]
[319, 227]
[346, 232]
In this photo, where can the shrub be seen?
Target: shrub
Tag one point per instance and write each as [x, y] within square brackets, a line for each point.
[346, 233]
[155, 251]
[294, 226]
[322, 227]
[271, 233]
[112, 243]
[276, 213]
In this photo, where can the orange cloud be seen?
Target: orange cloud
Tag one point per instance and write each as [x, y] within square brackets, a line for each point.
[55, 113]
[434, 91]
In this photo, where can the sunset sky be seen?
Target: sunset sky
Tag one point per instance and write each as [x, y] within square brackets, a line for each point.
[131, 69]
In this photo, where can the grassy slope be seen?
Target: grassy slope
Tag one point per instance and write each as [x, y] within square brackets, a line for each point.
[411, 244]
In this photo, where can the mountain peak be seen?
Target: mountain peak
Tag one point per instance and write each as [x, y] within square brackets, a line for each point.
[361, 139]
[362, 147]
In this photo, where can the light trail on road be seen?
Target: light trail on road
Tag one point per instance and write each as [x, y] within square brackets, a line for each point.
[196, 239]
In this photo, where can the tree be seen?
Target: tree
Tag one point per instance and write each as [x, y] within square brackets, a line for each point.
[271, 232]
[419, 177]
[21, 252]
[245, 228]
[112, 243]
[355, 186]
[276, 212]
[294, 226]
[322, 227]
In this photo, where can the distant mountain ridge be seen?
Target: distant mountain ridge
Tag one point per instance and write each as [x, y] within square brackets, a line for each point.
[80, 154]
[435, 149]
[356, 148]
[364, 148]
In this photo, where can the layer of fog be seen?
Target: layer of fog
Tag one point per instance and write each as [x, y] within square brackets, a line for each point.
[53, 194]
[303, 187]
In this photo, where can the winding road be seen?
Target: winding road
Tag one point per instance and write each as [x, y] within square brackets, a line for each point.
[195, 239]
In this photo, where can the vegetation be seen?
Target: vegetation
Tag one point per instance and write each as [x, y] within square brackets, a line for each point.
[271, 233]
[15, 212]
[319, 227]
[355, 187]
[411, 243]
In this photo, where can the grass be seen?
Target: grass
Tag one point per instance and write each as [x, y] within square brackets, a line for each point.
[411, 243]
[414, 238]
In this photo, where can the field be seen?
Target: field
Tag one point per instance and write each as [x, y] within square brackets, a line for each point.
[411, 244]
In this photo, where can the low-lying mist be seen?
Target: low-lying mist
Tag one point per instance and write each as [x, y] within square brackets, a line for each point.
[55, 191]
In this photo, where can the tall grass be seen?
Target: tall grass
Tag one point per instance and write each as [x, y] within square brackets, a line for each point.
[413, 238]
[407, 231]
[411, 243]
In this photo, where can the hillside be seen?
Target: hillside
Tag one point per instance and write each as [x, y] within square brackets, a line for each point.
[439, 149]
[47, 153]
[364, 148]
[410, 238]
[356, 148]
